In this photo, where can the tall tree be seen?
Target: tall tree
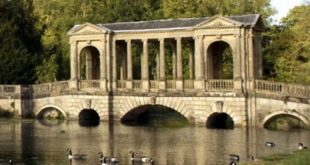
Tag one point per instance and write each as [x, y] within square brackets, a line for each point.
[288, 53]
[20, 45]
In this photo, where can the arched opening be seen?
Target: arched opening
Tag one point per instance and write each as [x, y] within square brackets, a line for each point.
[284, 122]
[220, 121]
[90, 63]
[154, 116]
[89, 117]
[219, 61]
[50, 117]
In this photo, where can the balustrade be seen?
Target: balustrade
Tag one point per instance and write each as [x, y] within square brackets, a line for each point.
[89, 84]
[219, 85]
[170, 84]
[188, 84]
[268, 87]
[153, 84]
[121, 84]
[136, 84]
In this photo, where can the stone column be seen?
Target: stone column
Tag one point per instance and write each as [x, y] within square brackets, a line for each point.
[129, 65]
[191, 62]
[162, 69]
[114, 65]
[179, 82]
[237, 63]
[145, 66]
[109, 62]
[174, 62]
[251, 66]
[89, 66]
[259, 57]
[199, 64]
[73, 65]
[103, 66]
[157, 65]
[123, 59]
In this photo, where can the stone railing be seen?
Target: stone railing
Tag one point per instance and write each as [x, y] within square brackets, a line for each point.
[89, 84]
[121, 84]
[136, 84]
[42, 88]
[153, 84]
[9, 91]
[267, 87]
[60, 86]
[188, 84]
[219, 85]
[170, 84]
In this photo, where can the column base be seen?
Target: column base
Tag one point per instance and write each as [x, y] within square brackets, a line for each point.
[162, 85]
[179, 85]
[238, 85]
[73, 84]
[129, 84]
[114, 85]
[103, 85]
[199, 84]
[145, 85]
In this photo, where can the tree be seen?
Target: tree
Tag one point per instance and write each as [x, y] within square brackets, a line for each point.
[287, 54]
[20, 45]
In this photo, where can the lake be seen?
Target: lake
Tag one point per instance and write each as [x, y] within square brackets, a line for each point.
[36, 142]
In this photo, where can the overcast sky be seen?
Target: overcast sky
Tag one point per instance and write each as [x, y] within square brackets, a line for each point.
[283, 6]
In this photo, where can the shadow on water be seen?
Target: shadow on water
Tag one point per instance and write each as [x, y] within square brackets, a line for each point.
[89, 118]
[155, 116]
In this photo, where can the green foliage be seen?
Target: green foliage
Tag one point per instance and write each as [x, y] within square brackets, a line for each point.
[287, 50]
[20, 45]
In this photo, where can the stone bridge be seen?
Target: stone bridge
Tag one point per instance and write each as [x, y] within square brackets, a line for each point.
[255, 108]
[202, 68]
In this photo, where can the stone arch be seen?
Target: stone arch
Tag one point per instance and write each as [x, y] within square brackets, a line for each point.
[220, 120]
[89, 65]
[215, 59]
[174, 103]
[286, 112]
[88, 117]
[43, 108]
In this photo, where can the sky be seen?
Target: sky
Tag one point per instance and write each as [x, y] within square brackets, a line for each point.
[283, 6]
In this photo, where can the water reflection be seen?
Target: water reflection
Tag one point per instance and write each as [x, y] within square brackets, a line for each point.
[31, 142]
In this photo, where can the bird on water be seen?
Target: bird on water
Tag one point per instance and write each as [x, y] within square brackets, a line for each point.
[301, 146]
[75, 156]
[141, 159]
[234, 157]
[270, 144]
[107, 160]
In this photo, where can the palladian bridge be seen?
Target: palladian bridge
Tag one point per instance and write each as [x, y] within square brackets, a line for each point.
[116, 68]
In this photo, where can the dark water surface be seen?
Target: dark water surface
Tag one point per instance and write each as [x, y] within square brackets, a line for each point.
[39, 143]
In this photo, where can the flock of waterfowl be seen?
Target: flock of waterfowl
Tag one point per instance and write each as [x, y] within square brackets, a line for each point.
[234, 158]
[138, 159]
[109, 160]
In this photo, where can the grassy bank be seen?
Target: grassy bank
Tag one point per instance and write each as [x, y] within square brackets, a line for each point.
[296, 158]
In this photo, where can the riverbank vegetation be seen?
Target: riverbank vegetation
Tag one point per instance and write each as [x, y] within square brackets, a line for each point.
[34, 45]
[296, 158]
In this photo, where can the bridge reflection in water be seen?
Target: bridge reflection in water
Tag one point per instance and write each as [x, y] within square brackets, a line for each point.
[34, 143]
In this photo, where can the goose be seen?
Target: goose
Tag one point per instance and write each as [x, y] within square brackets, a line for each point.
[142, 159]
[107, 160]
[234, 157]
[232, 163]
[270, 144]
[301, 146]
[75, 156]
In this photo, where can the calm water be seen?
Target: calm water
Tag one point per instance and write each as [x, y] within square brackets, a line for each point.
[34, 142]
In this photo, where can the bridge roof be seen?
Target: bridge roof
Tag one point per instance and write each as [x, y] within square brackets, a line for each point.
[250, 20]
[168, 24]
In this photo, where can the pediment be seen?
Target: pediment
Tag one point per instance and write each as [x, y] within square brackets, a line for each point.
[218, 22]
[87, 28]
